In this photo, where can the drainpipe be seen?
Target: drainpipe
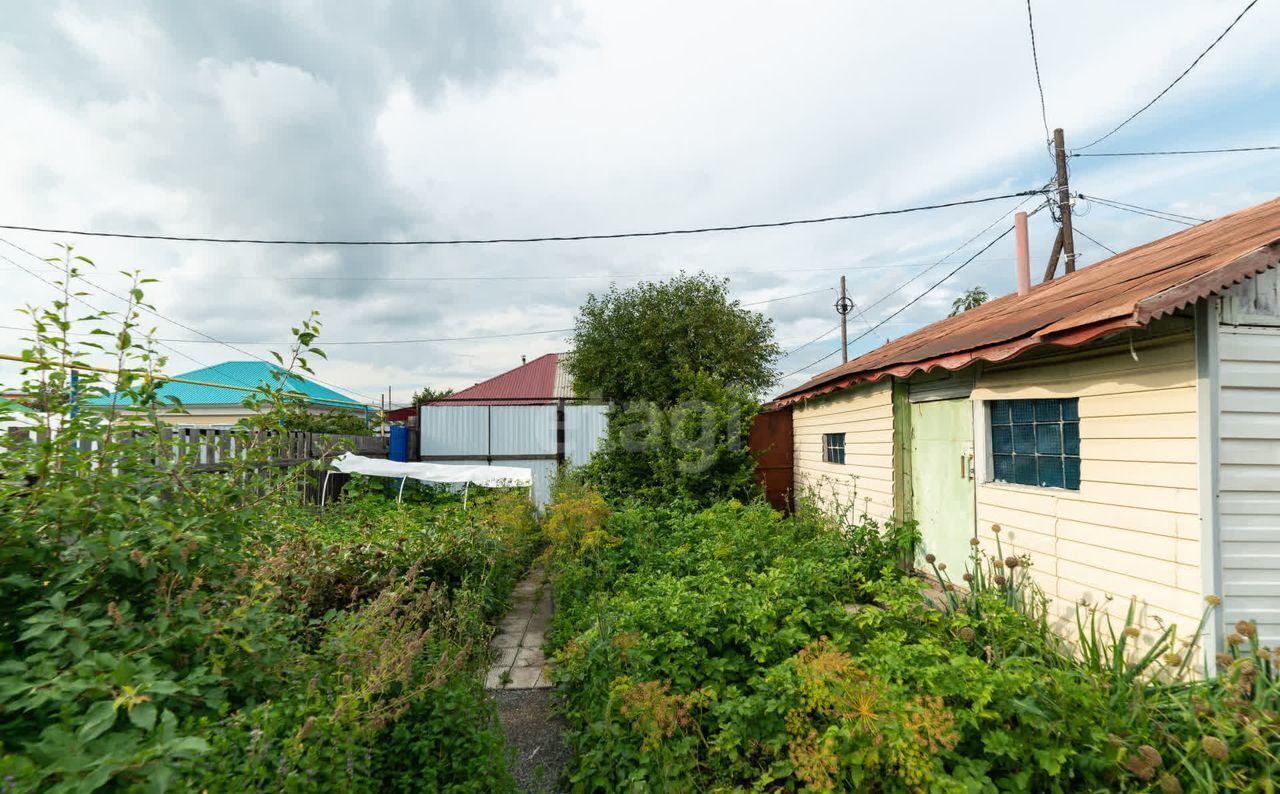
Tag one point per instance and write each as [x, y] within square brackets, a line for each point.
[1024, 253]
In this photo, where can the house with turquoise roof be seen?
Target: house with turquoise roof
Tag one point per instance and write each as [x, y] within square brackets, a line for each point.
[215, 395]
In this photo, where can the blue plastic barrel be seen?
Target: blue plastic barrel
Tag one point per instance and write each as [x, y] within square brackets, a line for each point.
[399, 449]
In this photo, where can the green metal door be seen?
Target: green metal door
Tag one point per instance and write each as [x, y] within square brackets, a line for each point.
[942, 479]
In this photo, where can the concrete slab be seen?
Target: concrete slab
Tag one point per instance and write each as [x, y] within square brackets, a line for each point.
[519, 662]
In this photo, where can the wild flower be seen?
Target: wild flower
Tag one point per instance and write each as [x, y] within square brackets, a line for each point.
[1214, 747]
[1213, 600]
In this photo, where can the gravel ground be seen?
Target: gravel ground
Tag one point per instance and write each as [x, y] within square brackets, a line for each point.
[532, 732]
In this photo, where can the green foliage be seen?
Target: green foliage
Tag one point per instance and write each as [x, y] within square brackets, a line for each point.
[972, 298]
[645, 342]
[429, 395]
[335, 422]
[666, 620]
[169, 627]
[732, 649]
[449, 741]
[694, 452]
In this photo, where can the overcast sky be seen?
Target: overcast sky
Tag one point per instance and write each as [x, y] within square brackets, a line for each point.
[470, 119]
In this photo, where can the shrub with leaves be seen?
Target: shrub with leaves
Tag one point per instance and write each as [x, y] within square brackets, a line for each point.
[169, 627]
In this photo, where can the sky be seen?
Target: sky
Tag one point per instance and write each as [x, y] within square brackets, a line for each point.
[447, 120]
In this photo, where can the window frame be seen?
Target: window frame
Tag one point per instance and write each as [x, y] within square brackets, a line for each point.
[828, 448]
[987, 442]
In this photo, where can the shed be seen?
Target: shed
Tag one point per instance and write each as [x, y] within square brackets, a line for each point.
[527, 416]
[1121, 424]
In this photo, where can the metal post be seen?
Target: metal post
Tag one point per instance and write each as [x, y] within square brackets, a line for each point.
[325, 487]
[843, 307]
[400, 493]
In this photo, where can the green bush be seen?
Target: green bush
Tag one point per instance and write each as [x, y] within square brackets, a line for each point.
[694, 452]
[665, 620]
[733, 649]
[172, 628]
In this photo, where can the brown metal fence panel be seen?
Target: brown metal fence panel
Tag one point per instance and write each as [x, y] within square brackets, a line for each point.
[771, 441]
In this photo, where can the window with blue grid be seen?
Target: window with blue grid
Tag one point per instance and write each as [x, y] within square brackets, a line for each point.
[1036, 442]
[833, 447]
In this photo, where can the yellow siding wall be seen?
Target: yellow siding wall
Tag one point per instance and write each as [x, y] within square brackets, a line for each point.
[865, 481]
[1133, 527]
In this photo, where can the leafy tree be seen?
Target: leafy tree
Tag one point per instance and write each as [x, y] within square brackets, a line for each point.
[430, 395]
[971, 299]
[647, 342]
[340, 422]
[695, 451]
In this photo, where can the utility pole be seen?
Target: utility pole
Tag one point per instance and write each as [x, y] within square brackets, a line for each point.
[843, 305]
[1068, 240]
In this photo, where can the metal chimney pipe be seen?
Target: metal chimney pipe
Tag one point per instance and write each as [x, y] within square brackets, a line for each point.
[1024, 252]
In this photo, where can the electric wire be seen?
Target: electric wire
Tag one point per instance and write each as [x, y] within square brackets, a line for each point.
[183, 326]
[333, 343]
[1181, 151]
[1176, 80]
[568, 276]
[538, 239]
[1035, 59]
[1076, 228]
[909, 303]
[94, 308]
[1186, 220]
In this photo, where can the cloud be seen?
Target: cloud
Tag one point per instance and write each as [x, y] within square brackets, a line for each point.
[442, 119]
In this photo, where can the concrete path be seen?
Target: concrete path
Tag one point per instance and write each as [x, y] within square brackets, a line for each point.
[518, 661]
[521, 688]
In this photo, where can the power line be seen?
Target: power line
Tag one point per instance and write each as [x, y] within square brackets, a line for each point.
[333, 343]
[1185, 220]
[542, 239]
[81, 300]
[911, 302]
[1185, 72]
[1095, 242]
[1035, 59]
[567, 276]
[788, 297]
[957, 250]
[343, 342]
[1183, 151]
[818, 338]
[155, 313]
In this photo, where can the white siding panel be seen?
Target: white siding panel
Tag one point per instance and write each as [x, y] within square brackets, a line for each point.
[1249, 473]
[1132, 529]
[454, 430]
[584, 428]
[523, 429]
[864, 481]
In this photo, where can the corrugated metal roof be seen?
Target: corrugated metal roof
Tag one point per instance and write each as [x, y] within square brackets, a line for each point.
[528, 384]
[244, 374]
[1126, 291]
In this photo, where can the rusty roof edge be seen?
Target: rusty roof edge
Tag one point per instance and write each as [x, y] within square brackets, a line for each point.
[991, 354]
[1215, 281]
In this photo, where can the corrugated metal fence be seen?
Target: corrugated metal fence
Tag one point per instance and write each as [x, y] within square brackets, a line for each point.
[537, 437]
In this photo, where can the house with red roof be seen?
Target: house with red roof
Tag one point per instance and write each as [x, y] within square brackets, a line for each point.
[527, 416]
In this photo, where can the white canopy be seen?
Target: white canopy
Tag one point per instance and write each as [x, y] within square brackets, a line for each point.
[434, 472]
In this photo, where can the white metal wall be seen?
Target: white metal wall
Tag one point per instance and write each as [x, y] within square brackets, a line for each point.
[453, 430]
[1249, 476]
[584, 428]
[522, 430]
[512, 430]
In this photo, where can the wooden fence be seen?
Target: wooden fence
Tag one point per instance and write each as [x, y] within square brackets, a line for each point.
[216, 449]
